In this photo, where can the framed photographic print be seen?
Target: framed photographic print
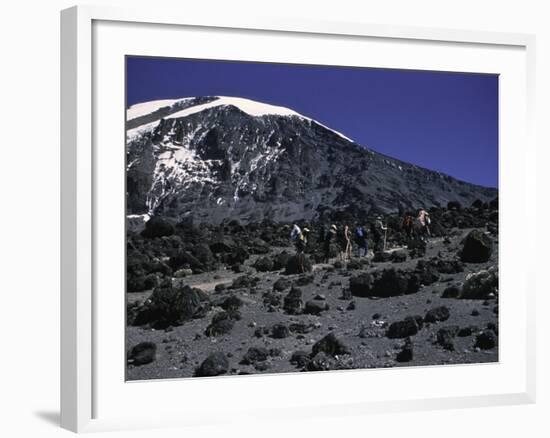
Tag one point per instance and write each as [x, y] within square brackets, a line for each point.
[269, 211]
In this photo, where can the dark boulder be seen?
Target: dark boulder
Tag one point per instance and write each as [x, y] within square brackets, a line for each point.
[172, 306]
[451, 292]
[478, 203]
[486, 340]
[214, 365]
[321, 362]
[237, 256]
[184, 259]
[330, 345]
[449, 266]
[304, 280]
[300, 358]
[381, 257]
[231, 303]
[281, 284]
[315, 307]
[354, 264]
[427, 272]
[445, 337]
[203, 254]
[467, 331]
[143, 353]
[264, 264]
[477, 248]
[280, 331]
[223, 245]
[293, 304]
[324, 362]
[360, 286]
[398, 256]
[221, 324]
[393, 282]
[480, 285]
[255, 354]
[454, 205]
[437, 314]
[403, 329]
[272, 298]
[301, 328]
[387, 283]
[406, 353]
[244, 282]
[157, 227]
[141, 283]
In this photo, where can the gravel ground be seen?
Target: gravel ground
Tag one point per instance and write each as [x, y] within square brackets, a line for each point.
[180, 350]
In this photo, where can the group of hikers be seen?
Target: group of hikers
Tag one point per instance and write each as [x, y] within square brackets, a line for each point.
[342, 237]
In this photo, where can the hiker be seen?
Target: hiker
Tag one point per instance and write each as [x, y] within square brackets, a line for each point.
[361, 241]
[329, 237]
[295, 232]
[323, 232]
[407, 225]
[378, 230]
[345, 244]
[423, 222]
[301, 241]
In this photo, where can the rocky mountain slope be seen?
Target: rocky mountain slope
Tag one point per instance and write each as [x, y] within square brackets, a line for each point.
[213, 158]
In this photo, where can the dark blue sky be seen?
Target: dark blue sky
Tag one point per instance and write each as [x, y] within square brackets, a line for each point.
[443, 121]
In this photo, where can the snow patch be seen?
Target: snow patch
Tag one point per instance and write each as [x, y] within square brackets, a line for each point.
[144, 108]
[251, 107]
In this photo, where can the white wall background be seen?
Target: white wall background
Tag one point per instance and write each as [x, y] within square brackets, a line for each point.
[29, 218]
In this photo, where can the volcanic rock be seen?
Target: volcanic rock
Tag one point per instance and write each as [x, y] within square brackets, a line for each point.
[255, 354]
[300, 358]
[280, 331]
[406, 353]
[486, 340]
[214, 365]
[446, 335]
[157, 227]
[221, 324]
[480, 285]
[477, 248]
[403, 329]
[172, 306]
[293, 304]
[143, 353]
[437, 314]
[264, 264]
[330, 345]
[315, 307]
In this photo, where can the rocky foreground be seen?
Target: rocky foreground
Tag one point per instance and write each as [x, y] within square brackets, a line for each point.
[230, 299]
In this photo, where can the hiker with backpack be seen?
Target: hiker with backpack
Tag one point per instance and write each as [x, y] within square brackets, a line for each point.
[378, 230]
[345, 244]
[361, 241]
[295, 232]
[301, 241]
[407, 225]
[330, 236]
[423, 222]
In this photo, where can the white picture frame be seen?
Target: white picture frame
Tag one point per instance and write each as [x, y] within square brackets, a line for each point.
[83, 369]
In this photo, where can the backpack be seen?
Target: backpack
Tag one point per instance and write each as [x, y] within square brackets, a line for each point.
[359, 232]
[295, 233]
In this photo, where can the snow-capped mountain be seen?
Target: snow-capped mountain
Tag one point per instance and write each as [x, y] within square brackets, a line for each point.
[218, 157]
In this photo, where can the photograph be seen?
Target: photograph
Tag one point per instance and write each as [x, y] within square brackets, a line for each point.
[285, 218]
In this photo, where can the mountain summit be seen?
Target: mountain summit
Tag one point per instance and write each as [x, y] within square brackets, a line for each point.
[213, 158]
